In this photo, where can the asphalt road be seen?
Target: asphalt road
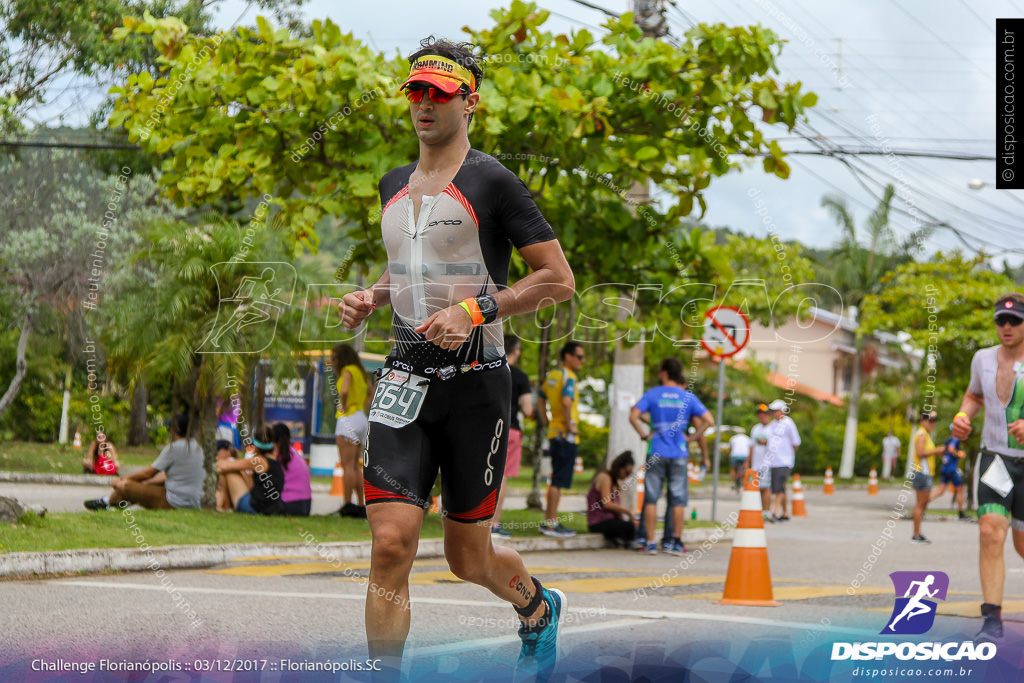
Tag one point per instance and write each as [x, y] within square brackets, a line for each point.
[649, 615]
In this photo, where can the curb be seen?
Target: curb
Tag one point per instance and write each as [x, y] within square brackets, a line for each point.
[46, 564]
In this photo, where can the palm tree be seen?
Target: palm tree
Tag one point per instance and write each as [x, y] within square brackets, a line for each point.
[190, 314]
[857, 270]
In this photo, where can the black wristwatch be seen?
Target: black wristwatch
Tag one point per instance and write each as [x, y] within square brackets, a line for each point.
[488, 307]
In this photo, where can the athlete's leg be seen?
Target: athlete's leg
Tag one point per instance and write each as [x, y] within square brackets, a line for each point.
[395, 528]
[474, 558]
[991, 567]
[938, 492]
[919, 508]
[348, 453]
[553, 499]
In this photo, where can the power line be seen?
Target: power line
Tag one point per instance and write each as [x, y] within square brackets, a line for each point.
[64, 145]
[607, 12]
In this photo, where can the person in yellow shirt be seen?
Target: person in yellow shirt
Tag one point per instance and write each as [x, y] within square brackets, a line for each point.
[924, 469]
[560, 392]
[351, 427]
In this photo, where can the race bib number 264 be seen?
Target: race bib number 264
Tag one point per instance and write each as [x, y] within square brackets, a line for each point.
[398, 398]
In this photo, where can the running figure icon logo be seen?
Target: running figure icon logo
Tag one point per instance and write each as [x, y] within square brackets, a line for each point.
[914, 612]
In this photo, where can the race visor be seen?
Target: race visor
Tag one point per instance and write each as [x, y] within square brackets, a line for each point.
[442, 73]
[1010, 308]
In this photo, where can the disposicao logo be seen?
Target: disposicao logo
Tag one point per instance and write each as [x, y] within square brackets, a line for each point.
[914, 614]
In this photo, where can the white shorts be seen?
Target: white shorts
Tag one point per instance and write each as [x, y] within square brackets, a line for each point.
[353, 427]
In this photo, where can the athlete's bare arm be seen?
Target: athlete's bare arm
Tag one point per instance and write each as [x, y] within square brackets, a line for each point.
[356, 306]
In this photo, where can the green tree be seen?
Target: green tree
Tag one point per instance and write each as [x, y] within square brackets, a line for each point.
[198, 310]
[316, 121]
[945, 305]
[857, 270]
[42, 43]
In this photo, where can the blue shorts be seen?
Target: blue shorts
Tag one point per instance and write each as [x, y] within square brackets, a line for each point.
[657, 471]
[563, 459]
[244, 504]
[951, 477]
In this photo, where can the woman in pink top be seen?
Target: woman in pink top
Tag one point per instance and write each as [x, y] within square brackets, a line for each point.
[605, 513]
[297, 494]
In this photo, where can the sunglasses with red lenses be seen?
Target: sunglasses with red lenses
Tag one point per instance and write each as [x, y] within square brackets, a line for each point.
[437, 96]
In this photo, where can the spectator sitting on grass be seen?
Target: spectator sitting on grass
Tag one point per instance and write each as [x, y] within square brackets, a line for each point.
[297, 494]
[102, 456]
[174, 480]
[258, 493]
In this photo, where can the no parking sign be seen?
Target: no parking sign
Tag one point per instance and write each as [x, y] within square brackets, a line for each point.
[726, 331]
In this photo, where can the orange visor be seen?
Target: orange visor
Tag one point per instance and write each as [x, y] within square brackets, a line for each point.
[442, 73]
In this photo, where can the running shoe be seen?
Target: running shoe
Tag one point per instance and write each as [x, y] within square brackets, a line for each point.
[539, 653]
[992, 627]
[651, 549]
[666, 546]
[919, 539]
[96, 504]
[556, 530]
[964, 516]
[676, 548]
[783, 518]
[496, 530]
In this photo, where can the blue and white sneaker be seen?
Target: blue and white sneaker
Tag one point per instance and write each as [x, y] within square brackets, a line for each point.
[539, 653]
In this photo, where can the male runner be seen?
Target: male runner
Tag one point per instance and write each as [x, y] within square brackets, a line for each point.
[997, 387]
[449, 223]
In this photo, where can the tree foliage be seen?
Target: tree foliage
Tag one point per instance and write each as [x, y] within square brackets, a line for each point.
[945, 305]
[579, 121]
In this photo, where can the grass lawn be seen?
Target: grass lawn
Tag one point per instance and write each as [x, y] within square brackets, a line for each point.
[26, 456]
[113, 529]
[524, 482]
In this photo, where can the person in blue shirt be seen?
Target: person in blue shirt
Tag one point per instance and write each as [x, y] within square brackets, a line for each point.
[671, 409]
[949, 473]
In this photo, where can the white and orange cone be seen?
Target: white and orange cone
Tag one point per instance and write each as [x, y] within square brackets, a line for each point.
[577, 466]
[338, 481]
[873, 482]
[830, 484]
[693, 473]
[78, 440]
[799, 506]
[640, 490]
[749, 580]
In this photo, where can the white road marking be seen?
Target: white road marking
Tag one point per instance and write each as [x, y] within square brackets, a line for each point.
[641, 616]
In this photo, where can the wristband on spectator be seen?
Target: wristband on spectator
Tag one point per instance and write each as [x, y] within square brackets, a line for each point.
[473, 308]
[960, 414]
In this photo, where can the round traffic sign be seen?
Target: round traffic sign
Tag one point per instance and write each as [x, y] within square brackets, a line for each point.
[726, 331]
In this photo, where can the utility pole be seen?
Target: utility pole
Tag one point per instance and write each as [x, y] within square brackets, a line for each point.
[628, 370]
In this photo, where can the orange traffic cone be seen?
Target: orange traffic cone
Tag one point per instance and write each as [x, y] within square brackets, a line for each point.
[830, 485]
[640, 490]
[873, 482]
[338, 481]
[799, 507]
[434, 507]
[693, 472]
[577, 467]
[749, 580]
[78, 440]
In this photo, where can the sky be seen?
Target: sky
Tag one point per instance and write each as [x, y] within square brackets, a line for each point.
[914, 75]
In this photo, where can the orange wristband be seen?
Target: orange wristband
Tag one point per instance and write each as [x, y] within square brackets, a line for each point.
[473, 308]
